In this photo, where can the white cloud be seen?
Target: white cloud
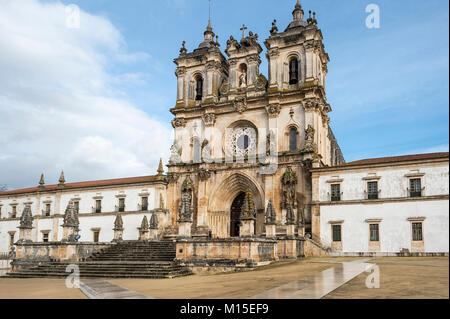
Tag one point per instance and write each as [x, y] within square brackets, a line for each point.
[58, 106]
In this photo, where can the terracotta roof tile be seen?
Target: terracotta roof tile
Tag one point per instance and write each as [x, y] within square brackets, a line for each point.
[109, 182]
[395, 159]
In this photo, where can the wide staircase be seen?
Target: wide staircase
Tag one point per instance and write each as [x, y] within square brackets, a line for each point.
[154, 259]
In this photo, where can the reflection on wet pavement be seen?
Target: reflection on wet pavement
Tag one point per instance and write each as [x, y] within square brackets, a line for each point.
[318, 285]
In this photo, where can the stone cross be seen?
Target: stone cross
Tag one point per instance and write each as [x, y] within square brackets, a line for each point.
[243, 30]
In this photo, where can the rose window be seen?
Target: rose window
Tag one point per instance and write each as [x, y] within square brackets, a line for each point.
[242, 141]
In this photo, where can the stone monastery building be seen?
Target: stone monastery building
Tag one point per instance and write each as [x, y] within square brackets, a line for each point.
[254, 166]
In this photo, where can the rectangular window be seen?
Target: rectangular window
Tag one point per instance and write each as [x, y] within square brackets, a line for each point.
[415, 187]
[98, 206]
[144, 203]
[0, 211]
[336, 233]
[47, 209]
[335, 192]
[45, 237]
[121, 205]
[372, 190]
[14, 212]
[374, 232]
[417, 231]
[96, 236]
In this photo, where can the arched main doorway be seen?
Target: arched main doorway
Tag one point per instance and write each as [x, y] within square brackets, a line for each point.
[235, 214]
[225, 203]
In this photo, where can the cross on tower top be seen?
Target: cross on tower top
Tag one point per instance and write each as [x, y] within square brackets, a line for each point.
[243, 30]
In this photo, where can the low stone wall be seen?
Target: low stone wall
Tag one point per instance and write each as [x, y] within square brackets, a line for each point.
[290, 247]
[229, 254]
[29, 254]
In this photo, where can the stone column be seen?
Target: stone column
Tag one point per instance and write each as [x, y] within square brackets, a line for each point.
[26, 226]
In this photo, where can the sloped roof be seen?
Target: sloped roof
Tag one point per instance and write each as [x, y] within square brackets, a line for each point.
[100, 183]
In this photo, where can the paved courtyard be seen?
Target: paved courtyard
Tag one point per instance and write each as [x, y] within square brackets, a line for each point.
[405, 277]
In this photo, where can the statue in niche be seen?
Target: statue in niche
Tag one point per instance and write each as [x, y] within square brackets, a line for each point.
[243, 79]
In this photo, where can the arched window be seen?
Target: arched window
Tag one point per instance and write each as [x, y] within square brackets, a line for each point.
[293, 139]
[293, 71]
[199, 89]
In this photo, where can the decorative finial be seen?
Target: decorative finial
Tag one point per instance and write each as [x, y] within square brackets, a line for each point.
[183, 48]
[274, 29]
[160, 167]
[298, 11]
[144, 224]
[41, 181]
[314, 21]
[62, 180]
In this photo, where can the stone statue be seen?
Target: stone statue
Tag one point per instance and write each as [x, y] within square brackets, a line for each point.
[175, 157]
[271, 216]
[289, 181]
[243, 80]
[185, 210]
[309, 140]
[248, 210]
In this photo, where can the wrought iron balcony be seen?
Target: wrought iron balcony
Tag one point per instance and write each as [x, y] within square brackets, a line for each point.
[142, 208]
[415, 193]
[45, 213]
[97, 210]
[372, 195]
[335, 197]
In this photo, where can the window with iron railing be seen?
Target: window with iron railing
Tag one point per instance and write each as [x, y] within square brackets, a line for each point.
[337, 233]
[14, 212]
[417, 231]
[98, 206]
[144, 203]
[336, 192]
[121, 205]
[372, 190]
[374, 232]
[47, 210]
[415, 187]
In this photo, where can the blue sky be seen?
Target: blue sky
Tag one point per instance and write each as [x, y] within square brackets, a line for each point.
[388, 87]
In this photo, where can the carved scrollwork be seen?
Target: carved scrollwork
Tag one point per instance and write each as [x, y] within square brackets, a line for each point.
[172, 178]
[273, 110]
[261, 83]
[178, 122]
[224, 88]
[209, 119]
[240, 105]
[204, 174]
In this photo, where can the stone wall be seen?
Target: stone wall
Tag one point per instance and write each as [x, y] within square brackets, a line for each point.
[225, 254]
[32, 253]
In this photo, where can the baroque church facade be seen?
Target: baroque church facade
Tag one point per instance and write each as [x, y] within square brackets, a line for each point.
[237, 131]
[254, 164]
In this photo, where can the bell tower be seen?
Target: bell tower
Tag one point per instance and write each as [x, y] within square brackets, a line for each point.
[200, 72]
[296, 56]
